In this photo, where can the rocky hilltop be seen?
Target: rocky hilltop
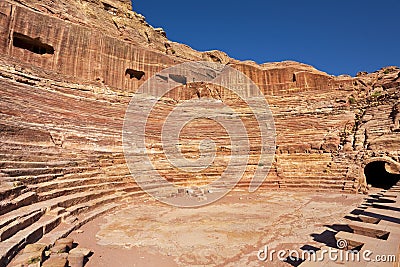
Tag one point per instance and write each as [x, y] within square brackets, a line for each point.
[68, 70]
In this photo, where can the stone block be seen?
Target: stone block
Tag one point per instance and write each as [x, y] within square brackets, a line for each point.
[65, 241]
[76, 260]
[55, 262]
[25, 259]
[81, 251]
[59, 248]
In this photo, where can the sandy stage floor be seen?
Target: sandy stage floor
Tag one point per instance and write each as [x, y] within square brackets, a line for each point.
[229, 232]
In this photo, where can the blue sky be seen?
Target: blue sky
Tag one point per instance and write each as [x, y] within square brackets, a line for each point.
[339, 37]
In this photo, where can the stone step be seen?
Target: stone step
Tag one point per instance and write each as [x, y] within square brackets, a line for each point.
[37, 179]
[388, 206]
[9, 164]
[90, 209]
[317, 177]
[321, 186]
[394, 188]
[86, 174]
[19, 224]
[355, 240]
[38, 171]
[377, 246]
[46, 156]
[93, 204]
[127, 176]
[74, 199]
[388, 196]
[66, 183]
[382, 214]
[57, 211]
[71, 190]
[20, 201]
[368, 229]
[73, 210]
[31, 234]
[314, 183]
[381, 226]
[12, 151]
[65, 228]
[29, 171]
[386, 249]
[98, 208]
[367, 219]
[386, 200]
[51, 204]
[15, 191]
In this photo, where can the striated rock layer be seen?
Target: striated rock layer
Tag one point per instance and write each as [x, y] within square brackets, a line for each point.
[67, 72]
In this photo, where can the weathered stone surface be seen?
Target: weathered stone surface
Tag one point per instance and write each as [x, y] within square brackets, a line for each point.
[37, 247]
[59, 255]
[28, 258]
[315, 113]
[68, 70]
[59, 249]
[55, 262]
[68, 242]
[81, 251]
[76, 260]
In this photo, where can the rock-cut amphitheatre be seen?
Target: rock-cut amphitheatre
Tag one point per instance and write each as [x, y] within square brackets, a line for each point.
[68, 71]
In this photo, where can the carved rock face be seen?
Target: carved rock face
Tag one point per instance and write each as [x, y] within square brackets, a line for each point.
[68, 71]
[79, 63]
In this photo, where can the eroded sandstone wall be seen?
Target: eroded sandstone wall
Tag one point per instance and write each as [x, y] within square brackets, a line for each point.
[68, 69]
[89, 54]
[81, 54]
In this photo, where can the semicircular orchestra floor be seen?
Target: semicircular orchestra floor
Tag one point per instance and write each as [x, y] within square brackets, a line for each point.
[229, 232]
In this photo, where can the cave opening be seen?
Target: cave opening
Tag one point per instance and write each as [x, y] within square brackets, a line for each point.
[215, 59]
[31, 44]
[377, 175]
[134, 74]
[109, 8]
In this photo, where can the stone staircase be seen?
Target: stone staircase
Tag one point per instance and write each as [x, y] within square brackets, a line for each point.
[62, 162]
[49, 184]
[50, 210]
[374, 226]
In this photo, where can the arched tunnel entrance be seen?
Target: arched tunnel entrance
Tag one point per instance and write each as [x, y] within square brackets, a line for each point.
[378, 176]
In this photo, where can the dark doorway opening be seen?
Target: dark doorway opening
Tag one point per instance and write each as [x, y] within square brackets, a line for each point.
[378, 176]
[134, 74]
[32, 44]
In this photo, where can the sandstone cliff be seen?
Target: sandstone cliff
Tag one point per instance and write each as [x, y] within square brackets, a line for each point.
[73, 65]
[68, 70]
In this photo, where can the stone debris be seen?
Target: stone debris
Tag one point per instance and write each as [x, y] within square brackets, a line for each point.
[58, 249]
[76, 260]
[67, 242]
[55, 262]
[62, 254]
[81, 251]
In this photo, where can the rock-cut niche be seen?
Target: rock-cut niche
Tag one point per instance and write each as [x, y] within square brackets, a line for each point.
[31, 44]
[134, 74]
[378, 176]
